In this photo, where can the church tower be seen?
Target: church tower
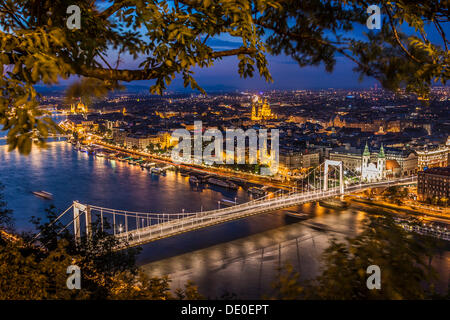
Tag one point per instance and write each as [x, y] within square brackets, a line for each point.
[265, 110]
[365, 163]
[381, 162]
[366, 157]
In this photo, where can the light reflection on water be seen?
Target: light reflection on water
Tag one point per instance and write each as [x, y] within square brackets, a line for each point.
[71, 175]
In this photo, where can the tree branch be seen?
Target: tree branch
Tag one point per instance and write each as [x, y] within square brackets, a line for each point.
[397, 38]
[131, 75]
[11, 13]
[441, 31]
[115, 7]
[332, 44]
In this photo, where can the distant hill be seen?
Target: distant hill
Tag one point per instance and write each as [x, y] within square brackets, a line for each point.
[137, 89]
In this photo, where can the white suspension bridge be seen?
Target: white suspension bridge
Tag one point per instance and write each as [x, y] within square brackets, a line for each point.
[136, 228]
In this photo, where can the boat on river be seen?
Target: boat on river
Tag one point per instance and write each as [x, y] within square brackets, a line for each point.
[257, 191]
[43, 194]
[148, 165]
[194, 179]
[156, 170]
[221, 183]
[296, 214]
[333, 204]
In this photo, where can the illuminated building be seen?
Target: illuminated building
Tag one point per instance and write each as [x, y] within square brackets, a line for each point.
[397, 162]
[337, 121]
[433, 158]
[434, 183]
[140, 141]
[350, 157]
[166, 140]
[261, 110]
[401, 162]
[79, 108]
[371, 171]
[166, 115]
[380, 131]
[293, 161]
[79, 125]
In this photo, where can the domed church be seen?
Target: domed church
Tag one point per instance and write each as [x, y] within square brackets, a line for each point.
[371, 171]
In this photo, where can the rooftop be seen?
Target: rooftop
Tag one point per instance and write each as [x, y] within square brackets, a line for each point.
[442, 171]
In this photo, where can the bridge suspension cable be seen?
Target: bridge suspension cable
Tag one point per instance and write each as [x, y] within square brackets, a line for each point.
[53, 222]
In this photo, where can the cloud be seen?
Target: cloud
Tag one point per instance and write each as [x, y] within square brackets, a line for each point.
[219, 44]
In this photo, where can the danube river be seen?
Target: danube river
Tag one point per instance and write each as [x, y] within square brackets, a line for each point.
[240, 256]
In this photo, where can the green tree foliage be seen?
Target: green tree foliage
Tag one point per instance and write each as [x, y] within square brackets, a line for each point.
[396, 194]
[404, 260]
[287, 285]
[190, 292]
[171, 38]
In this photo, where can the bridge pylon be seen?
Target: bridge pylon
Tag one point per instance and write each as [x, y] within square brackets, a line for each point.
[338, 164]
[78, 210]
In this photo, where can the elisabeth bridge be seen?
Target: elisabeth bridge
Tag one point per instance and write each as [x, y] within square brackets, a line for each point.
[330, 179]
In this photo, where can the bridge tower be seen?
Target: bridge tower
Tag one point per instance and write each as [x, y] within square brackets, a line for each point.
[78, 210]
[338, 164]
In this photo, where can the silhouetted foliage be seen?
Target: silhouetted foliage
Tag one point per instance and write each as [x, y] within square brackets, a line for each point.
[6, 221]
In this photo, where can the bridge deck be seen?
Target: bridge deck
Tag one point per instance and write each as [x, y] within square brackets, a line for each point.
[198, 220]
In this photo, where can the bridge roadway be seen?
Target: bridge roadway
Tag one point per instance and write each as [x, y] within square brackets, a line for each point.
[198, 220]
